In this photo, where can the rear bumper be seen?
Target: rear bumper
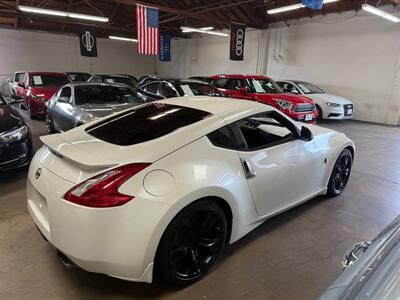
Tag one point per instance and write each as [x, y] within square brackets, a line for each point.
[120, 242]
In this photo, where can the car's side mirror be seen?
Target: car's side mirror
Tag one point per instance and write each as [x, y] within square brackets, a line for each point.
[306, 134]
[244, 90]
[21, 84]
[63, 100]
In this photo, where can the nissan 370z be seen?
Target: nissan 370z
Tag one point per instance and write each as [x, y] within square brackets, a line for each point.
[161, 188]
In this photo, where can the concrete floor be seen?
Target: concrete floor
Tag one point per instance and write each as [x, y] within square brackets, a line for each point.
[295, 255]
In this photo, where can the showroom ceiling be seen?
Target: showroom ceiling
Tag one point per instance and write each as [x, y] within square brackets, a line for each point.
[173, 14]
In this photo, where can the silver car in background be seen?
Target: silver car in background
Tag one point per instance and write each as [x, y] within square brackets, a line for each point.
[372, 269]
[78, 103]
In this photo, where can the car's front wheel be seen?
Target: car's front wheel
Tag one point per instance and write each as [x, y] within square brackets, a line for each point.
[192, 243]
[340, 173]
[320, 115]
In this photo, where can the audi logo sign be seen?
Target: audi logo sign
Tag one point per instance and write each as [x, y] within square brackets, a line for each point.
[237, 41]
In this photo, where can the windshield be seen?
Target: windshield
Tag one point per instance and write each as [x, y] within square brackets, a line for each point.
[119, 79]
[101, 94]
[145, 123]
[198, 89]
[79, 77]
[309, 88]
[48, 80]
[264, 86]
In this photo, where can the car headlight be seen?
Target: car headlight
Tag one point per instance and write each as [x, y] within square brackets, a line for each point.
[332, 104]
[14, 135]
[284, 104]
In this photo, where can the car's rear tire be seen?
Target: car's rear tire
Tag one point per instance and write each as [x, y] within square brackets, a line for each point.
[49, 123]
[340, 173]
[320, 115]
[192, 243]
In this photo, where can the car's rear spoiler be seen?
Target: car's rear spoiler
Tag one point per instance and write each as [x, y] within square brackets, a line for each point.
[73, 153]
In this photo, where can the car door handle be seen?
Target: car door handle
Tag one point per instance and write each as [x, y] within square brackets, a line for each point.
[248, 169]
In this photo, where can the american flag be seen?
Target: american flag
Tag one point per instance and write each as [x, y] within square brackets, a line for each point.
[147, 30]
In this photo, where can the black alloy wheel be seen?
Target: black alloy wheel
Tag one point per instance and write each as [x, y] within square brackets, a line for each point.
[192, 243]
[49, 123]
[340, 173]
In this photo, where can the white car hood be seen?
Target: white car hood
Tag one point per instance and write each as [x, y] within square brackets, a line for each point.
[329, 98]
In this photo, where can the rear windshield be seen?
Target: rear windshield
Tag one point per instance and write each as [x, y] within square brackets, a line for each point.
[101, 94]
[119, 79]
[79, 77]
[145, 123]
[48, 80]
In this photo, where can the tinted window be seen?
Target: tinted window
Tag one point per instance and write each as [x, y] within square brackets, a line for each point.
[2, 100]
[287, 87]
[48, 80]
[223, 138]
[264, 86]
[145, 123]
[151, 88]
[95, 79]
[19, 77]
[265, 130]
[98, 94]
[79, 77]
[119, 79]
[221, 83]
[66, 92]
[198, 89]
[167, 91]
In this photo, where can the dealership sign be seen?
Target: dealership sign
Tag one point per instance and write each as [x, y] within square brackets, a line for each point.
[238, 32]
[87, 41]
[165, 47]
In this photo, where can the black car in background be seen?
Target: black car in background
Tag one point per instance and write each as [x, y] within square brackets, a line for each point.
[78, 76]
[15, 137]
[163, 89]
[124, 79]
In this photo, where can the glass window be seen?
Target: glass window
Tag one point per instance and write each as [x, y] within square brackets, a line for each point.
[48, 80]
[265, 130]
[79, 77]
[167, 91]
[120, 79]
[2, 100]
[66, 92]
[19, 77]
[198, 89]
[100, 94]
[309, 88]
[264, 86]
[146, 123]
[221, 83]
[151, 88]
[236, 84]
[223, 138]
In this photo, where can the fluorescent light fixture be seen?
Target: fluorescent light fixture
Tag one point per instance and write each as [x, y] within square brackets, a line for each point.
[88, 17]
[378, 12]
[202, 30]
[43, 11]
[194, 29]
[119, 38]
[58, 13]
[292, 7]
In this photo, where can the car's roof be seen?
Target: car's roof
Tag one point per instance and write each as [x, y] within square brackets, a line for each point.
[216, 105]
[45, 73]
[239, 76]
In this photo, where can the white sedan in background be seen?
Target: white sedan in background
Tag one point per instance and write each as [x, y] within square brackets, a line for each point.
[329, 106]
[163, 186]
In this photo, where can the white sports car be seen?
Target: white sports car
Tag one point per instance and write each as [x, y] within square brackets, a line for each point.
[329, 106]
[160, 188]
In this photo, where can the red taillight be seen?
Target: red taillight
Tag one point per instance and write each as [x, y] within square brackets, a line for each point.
[102, 190]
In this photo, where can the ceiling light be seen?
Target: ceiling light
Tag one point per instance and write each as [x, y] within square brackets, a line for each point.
[200, 30]
[292, 7]
[122, 39]
[58, 13]
[376, 11]
[194, 29]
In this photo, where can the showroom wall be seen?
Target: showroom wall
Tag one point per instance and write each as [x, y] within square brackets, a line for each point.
[25, 50]
[354, 56]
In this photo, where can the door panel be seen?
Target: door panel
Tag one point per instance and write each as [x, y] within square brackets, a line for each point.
[284, 174]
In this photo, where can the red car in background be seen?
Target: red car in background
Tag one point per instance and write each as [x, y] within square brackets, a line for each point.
[36, 88]
[263, 89]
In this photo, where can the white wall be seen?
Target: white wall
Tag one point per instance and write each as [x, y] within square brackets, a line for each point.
[357, 57]
[24, 50]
